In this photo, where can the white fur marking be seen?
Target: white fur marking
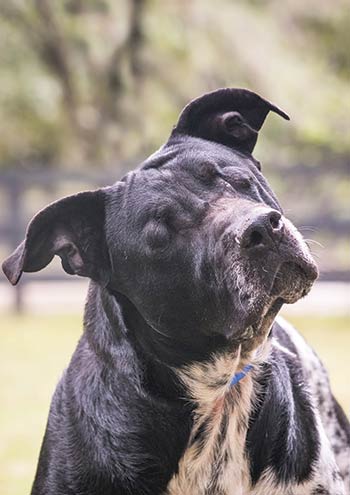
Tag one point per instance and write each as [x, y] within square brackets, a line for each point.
[221, 468]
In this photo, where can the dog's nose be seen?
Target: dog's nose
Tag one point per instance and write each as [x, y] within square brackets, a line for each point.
[262, 232]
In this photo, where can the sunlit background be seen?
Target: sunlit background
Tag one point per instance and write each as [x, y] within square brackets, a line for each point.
[89, 88]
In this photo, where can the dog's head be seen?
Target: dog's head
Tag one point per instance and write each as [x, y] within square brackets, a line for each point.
[195, 240]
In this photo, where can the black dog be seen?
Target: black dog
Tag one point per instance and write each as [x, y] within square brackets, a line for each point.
[182, 383]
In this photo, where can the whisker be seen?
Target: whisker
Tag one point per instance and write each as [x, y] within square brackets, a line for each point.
[315, 255]
[314, 242]
[308, 228]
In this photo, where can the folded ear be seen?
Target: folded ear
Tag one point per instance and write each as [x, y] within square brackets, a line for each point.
[72, 228]
[228, 116]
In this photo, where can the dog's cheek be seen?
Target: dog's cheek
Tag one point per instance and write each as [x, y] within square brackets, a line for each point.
[244, 282]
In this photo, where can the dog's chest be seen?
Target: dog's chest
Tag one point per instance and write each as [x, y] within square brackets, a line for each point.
[214, 461]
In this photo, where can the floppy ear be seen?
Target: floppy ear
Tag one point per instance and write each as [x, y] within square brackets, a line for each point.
[72, 228]
[228, 116]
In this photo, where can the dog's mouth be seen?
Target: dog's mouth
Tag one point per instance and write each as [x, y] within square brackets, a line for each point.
[293, 280]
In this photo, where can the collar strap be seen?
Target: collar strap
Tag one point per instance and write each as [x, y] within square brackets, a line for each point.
[237, 377]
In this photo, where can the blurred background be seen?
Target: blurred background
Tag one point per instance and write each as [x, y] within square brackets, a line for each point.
[89, 88]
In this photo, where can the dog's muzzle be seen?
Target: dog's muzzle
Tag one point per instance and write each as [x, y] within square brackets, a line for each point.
[267, 235]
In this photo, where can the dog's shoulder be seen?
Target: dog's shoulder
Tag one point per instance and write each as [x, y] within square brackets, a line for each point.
[128, 437]
[287, 340]
[315, 409]
[283, 437]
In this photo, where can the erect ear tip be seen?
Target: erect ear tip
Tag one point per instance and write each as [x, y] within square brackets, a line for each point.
[12, 266]
[280, 112]
[209, 117]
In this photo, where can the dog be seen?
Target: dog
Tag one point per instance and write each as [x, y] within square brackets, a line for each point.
[185, 381]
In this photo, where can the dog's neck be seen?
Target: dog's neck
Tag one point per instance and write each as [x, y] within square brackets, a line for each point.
[212, 383]
[115, 332]
[125, 332]
[217, 412]
[215, 459]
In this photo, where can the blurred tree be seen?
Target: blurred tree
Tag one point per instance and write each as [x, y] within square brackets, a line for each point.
[88, 82]
[78, 54]
[93, 82]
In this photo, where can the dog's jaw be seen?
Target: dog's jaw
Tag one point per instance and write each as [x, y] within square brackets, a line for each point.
[257, 334]
[259, 286]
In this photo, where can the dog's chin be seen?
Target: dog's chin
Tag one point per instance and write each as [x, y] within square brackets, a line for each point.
[292, 281]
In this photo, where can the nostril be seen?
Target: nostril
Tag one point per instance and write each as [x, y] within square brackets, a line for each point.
[274, 219]
[256, 238]
[263, 231]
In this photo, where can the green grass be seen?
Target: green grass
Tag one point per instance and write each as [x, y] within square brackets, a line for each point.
[33, 354]
[34, 350]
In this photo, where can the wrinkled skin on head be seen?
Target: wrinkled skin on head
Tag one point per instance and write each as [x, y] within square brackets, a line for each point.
[177, 254]
[193, 245]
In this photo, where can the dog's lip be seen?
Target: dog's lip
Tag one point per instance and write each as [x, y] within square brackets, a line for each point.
[270, 312]
[300, 267]
[297, 262]
[307, 266]
[293, 280]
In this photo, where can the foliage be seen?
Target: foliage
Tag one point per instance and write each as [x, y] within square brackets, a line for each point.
[94, 81]
[89, 83]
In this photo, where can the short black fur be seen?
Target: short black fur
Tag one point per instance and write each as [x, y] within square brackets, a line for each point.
[177, 277]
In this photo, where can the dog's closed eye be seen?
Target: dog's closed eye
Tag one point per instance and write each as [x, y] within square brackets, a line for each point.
[244, 183]
[164, 215]
[207, 172]
[240, 183]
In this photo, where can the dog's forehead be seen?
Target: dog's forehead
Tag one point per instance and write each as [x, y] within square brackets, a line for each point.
[175, 175]
[189, 152]
[179, 163]
[173, 172]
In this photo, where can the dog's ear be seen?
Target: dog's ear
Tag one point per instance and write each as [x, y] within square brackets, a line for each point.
[228, 116]
[72, 228]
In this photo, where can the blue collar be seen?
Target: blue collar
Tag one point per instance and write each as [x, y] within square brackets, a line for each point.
[237, 377]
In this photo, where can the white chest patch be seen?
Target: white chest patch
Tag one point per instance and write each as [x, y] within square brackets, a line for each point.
[215, 461]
